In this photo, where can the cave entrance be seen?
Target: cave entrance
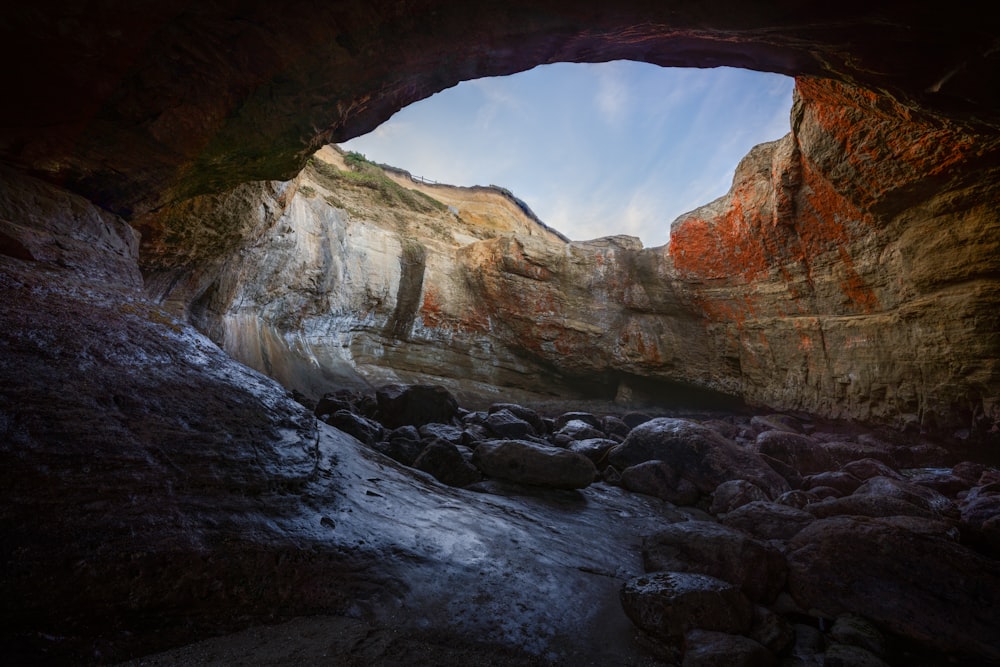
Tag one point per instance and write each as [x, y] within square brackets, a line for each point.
[594, 149]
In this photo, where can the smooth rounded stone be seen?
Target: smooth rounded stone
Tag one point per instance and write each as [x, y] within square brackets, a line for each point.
[659, 479]
[521, 412]
[595, 449]
[505, 424]
[807, 646]
[941, 528]
[416, 405]
[473, 434]
[870, 506]
[842, 452]
[801, 452]
[724, 428]
[614, 426]
[707, 648]
[768, 521]
[912, 493]
[611, 476]
[844, 655]
[342, 399]
[445, 462]
[709, 548]
[865, 469]
[477, 418]
[633, 419]
[452, 434]
[528, 463]
[858, 631]
[667, 605]
[844, 482]
[980, 504]
[969, 471]
[405, 433]
[567, 417]
[941, 480]
[733, 494]
[918, 586]
[776, 422]
[696, 453]
[787, 472]
[770, 630]
[364, 430]
[578, 429]
[824, 492]
[403, 450]
[795, 498]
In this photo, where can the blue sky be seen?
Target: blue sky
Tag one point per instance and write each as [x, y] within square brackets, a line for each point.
[594, 149]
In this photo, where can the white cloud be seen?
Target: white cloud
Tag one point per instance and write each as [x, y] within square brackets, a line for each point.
[612, 98]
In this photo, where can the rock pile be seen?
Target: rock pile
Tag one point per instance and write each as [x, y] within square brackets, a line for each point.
[808, 548]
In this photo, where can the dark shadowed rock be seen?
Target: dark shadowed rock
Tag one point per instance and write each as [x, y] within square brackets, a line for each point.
[844, 482]
[443, 460]
[798, 451]
[776, 422]
[795, 498]
[787, 472]
[342, 399]
[529, 463]
[416, 405]
[452, 434]
[661, 480]
[577, 429]
[709, 548]
[914, 494]
[940, 593]
[770, 630]
[594, 449]
[615, 427]
[521, 412]
[734, 493]
[365, 430]
[855, 630]
[633, 419]
[867, 468]
[707, 648]
[767, 520]
[844, 451]
[505, 424]
[567, 417]
[845, 655]
[669, 604]
[867, 505]
[696, 453]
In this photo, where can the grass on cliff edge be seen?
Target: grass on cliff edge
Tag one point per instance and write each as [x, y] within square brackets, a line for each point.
[369, 175]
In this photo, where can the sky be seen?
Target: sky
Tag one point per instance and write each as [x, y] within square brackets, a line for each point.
[593, 149]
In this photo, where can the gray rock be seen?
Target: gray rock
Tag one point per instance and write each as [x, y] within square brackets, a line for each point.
[521, 412]
[416, 405]
[365, 430]
[595, 449]
[867, 468]
[659, 479]
[669, 604]
[733, 494]
[445, 462]
[768, 521]
[801, 452]
[844, 482]
[706, 648]
[578, 429]
[696, 453]
[843, 655]
[858, 631]
[914, 494]
[709, 548]
[505, 424]
[528, 463]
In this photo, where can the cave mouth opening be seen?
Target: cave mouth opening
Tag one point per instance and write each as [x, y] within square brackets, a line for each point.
[595, 149]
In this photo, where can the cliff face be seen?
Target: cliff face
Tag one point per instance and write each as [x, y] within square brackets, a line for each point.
[853, 263]
[847, 269]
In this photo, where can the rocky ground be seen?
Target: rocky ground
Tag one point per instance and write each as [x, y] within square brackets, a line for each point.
[764, 539]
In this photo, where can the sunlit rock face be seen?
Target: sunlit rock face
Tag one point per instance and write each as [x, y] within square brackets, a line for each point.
[852, 268]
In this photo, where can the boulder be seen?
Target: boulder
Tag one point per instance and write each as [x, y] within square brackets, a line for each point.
[770, 630]
[795, 498]
[867, 468]
[707, 648]
[709, 548]
[844, 482]
[365, 430]
[801, 452]
[445, 462]
[452, 434]
[577, 429]
[567, 417]
[697, 454]
[845, 655]
[915, 494]
[595, 449]
[505, 424]
[615, 427]
[529, 463]
[734, 493]
[659, 479]
[855, 630]
[767, 520]
[521, 412]
[919, 586]
[776, 422]
[417, 404]
[867, 505]
[669, 604]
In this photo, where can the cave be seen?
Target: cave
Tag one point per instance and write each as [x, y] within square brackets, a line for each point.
[166, 480]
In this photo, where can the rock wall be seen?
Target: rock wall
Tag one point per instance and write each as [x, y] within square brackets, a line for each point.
[848, 268]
